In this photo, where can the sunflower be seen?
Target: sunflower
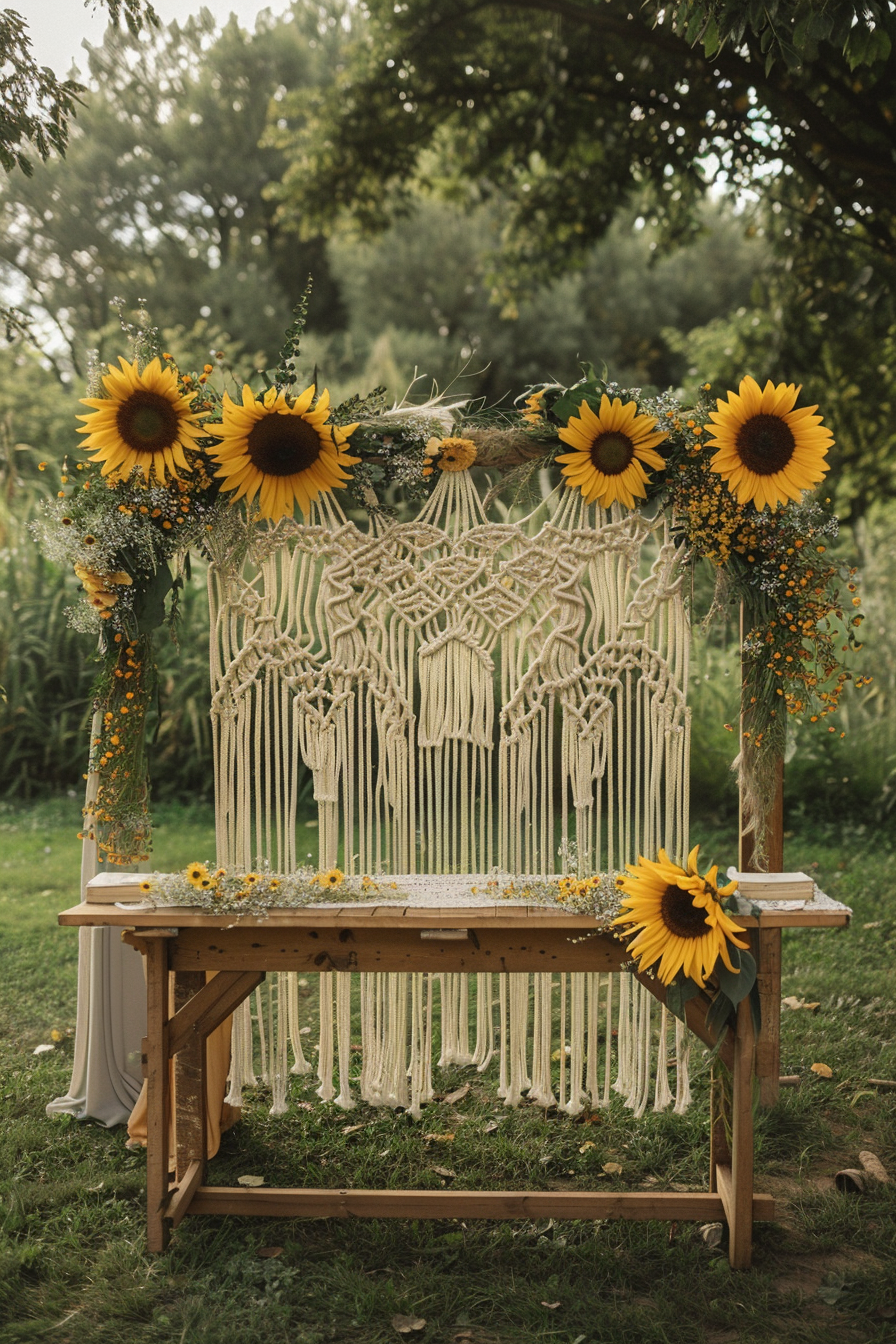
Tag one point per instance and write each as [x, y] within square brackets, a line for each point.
[768, 452]
[332, 878]
[283, 451]
[197, 875]
[609, 449]
[677, 917]
[449, 454]
[144, 421]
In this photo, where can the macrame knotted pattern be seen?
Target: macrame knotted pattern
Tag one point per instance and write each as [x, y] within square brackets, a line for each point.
[468, 696]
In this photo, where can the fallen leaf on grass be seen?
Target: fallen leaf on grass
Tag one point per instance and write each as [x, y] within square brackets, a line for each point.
[270, 1252]
[551, 1306]
[874, 924]
[611, 1168]
[491, 1127]
[462, 1334]
[438, 1138]
[793, 1002]
[832, 1288]
[585, 1146]
[353, 1129]
[874, 1167]
[712, 1234]
[405, 1324]
[459, 1095]
[42, 1049]
[250, 1180]
[823, 1070]
[443, 1171]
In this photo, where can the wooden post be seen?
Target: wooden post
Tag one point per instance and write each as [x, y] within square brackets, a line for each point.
[719, 1122]
[738, 1198]
[767, 944]
[155, 949]
[189, 1083]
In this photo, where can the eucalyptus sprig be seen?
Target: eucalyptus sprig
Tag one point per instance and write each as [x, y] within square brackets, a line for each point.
[285, 372]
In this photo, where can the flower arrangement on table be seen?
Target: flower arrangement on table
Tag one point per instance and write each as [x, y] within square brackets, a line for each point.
[259, 890]
[676, 923]
[677, 929]
[172, 462]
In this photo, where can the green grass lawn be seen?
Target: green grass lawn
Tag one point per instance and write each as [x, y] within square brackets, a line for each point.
[73, 1265]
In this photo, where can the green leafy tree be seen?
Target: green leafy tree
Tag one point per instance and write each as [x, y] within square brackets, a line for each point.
[35, 106]
[162, 193]
[573, 109]
[419, 296]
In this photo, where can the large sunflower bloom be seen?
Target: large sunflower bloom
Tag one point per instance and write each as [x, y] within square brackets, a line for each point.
[282, 451]
[677, 918]
[609, 450]
[768, 452]
[144, 421]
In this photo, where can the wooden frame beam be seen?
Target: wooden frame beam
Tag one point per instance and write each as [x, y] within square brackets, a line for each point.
[526, 946]
[586, 1204]
[199, 1015]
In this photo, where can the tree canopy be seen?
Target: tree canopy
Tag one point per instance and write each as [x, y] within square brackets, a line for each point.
[161, 194]
[35, 106]
[572, 109]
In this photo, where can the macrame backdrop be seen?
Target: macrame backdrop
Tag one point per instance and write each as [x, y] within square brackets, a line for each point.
[468, 696]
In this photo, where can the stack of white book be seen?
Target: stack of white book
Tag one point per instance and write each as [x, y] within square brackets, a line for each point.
[773, 886]
[107, 888]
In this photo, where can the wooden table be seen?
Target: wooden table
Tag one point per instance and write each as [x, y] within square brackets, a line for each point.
[502, 938]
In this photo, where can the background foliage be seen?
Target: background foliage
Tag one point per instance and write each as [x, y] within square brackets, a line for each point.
[537, 207]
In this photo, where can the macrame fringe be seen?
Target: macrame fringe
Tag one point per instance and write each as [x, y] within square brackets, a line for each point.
[553, 1038]
[465, 694]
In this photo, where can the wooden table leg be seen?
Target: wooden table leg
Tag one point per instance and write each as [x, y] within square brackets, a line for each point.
[157, 1092]
[189, 1084]
[740, 1201]
[719, 1123]
[767, 950]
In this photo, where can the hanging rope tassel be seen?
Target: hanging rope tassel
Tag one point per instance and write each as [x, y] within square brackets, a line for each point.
[682, 1071]
[326, 1091]
[278, 1034]
[300, 1063]
[577, 1098]
[345, 1101]
[662, 1095]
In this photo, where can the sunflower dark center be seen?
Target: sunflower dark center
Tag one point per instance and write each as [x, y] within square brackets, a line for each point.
[282, 445]
[611, 452]
[765, 444]
[680, 915]
[147, 422]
